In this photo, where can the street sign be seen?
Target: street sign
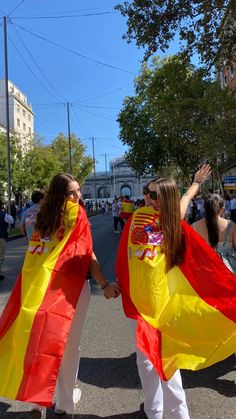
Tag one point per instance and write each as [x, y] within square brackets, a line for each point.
[230, 179]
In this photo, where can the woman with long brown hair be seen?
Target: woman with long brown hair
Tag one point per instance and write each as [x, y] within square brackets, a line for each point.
[153, 233]
[218, 232]
[49, 303]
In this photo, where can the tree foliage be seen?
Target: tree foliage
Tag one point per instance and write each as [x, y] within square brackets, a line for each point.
[202, 26]
[35, 167]
[81, 164]
[177, 118]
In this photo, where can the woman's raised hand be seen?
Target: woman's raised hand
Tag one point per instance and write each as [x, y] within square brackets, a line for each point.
[203, 173]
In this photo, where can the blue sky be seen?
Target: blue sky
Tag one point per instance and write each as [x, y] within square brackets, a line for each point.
[94, 76]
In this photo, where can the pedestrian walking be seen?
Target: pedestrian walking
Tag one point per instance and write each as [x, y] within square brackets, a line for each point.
[28, 218]
[5, 220]
[116, 216]
[163, 267]
[13, 213]
[51, 309]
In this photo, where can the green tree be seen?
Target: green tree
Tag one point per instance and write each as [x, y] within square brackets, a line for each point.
[202, 26]
[81, 164]
[177, 118]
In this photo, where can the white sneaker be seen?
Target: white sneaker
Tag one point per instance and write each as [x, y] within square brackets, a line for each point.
[76, 395]
[76, 399]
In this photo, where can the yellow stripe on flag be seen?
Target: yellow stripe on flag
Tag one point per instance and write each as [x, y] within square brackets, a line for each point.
[157, 295]
[36, 275]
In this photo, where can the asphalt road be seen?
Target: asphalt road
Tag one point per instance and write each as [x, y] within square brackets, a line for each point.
[108, 377]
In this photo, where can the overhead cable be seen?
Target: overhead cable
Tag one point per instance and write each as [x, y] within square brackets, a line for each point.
[39, 69]
[74, 52]
[27, 65]
[13, 10]
[64, 16]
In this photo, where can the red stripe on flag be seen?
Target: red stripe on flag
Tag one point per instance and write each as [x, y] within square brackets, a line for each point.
[149, 341]
[208, 275]
[11, 309]
[53, 320]
[122, 271]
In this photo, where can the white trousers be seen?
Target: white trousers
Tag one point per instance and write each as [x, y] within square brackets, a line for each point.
[158, 393]
[71, 358]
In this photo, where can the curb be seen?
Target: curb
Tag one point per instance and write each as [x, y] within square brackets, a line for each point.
[16, 236]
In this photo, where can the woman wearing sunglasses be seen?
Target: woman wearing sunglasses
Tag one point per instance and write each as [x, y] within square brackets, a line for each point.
[143, 236]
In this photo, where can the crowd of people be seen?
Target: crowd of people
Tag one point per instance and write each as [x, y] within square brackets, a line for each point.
[59, 214]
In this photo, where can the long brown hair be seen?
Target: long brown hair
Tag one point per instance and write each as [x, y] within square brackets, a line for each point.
[170, 221]
[213, 204]
[52, 209]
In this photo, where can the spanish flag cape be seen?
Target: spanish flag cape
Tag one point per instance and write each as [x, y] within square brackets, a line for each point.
[35, 323]
[185, 318]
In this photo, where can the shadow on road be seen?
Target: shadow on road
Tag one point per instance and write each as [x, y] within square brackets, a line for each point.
[122, 373]
[211, 377]
[110, 372]
[50, 414]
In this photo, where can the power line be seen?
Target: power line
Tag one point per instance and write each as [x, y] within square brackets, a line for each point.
[65, 16]
[78, 121]
[35, 62]
[75, 52]
[98, 107]
[96, 114]
[27, 65]
[102, 95]
[81, 47]
[22, 1]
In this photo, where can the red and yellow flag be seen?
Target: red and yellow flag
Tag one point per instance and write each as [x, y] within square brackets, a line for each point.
[185, 318]
[35, 323]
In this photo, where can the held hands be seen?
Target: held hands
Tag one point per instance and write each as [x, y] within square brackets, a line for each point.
[202, 174]
[111, 290]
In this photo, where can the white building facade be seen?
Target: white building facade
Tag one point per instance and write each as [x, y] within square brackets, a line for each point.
[120, 180]
[21, 116]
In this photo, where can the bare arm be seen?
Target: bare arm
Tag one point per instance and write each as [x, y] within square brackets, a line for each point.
[109, 290]
[23, 230]
[201, 175]
[234, 237]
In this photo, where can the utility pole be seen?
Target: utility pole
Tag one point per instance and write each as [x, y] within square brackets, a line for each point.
[94, 172]
[69, 138]
[7, 116]
[106, 176]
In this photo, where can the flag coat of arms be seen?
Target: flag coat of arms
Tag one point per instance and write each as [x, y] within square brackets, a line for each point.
[36, 321]
[185, 318]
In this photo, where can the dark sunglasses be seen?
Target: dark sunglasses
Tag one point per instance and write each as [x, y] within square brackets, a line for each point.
[152, 194]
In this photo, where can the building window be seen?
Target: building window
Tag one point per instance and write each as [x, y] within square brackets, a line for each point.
[231, 71]
[29, 117]
[24, 113]
[18, 122]
[29, 130]
[24, 127]
[18, 107]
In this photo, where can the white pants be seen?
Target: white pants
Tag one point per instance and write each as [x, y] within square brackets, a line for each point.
[71, 358]
[158, 393]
